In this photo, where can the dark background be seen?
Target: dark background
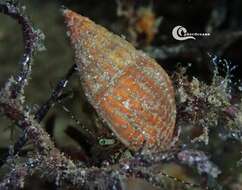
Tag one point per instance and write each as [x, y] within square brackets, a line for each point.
[222, 18]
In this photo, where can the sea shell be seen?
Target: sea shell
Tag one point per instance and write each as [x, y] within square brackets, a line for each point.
[128, 89]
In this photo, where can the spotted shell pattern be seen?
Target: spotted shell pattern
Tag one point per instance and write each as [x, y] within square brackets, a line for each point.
[128, 89]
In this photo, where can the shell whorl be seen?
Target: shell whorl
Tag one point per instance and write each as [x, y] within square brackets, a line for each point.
[128, 89]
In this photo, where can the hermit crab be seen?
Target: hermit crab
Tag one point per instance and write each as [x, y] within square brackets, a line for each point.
[131, 93]
[128, 89]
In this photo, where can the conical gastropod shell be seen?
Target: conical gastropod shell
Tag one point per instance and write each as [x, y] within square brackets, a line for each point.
[128, 89]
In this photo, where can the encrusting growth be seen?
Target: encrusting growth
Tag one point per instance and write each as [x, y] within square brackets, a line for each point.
[128, 89]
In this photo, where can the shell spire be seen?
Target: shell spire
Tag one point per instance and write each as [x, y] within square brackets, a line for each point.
[128, 89]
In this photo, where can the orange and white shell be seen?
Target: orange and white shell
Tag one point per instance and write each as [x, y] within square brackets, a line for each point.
[128, 89]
